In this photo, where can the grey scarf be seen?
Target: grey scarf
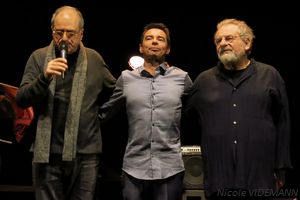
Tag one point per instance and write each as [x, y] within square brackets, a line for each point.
[43, 135]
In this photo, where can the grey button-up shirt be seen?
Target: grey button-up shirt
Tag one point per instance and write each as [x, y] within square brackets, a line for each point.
[153, 105]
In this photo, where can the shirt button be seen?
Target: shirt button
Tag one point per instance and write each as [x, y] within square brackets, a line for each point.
[234, 141]
[234, 122]
[234, 105]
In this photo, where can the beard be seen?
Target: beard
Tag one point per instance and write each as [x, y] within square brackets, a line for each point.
[229, 59]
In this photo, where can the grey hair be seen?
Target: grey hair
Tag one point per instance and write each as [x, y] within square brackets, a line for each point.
[245, 31]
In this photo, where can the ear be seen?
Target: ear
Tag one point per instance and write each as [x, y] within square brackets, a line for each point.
[168, 51]
[141, 49]
[81, 34]
[248, 43]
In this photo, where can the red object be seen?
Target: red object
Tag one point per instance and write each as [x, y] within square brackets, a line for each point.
[22, 117]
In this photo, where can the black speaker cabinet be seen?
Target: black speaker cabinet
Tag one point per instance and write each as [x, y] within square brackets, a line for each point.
[193, 178]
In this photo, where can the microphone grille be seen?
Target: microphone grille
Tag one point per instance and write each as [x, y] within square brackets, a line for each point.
[63, 45]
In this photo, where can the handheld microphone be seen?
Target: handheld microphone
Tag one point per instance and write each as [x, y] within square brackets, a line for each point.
[63, 47]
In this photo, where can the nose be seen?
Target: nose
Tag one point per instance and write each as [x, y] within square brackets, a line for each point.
[154, 41]
[65, 36]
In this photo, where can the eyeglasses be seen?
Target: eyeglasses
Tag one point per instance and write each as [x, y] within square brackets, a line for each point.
[228, 39]
[60, 33]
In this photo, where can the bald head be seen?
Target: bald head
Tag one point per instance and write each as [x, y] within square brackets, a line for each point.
[67, 13]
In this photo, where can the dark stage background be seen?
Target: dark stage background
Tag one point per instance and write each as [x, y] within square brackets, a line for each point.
[114, 32]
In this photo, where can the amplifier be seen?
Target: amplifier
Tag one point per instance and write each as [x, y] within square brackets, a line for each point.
[192, 158]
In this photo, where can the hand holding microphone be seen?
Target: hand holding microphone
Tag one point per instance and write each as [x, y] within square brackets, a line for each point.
[63, 47]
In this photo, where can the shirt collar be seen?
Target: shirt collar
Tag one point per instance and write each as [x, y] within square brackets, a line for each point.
[162, 69]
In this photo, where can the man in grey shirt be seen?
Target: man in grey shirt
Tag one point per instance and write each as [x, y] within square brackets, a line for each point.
[152, 165]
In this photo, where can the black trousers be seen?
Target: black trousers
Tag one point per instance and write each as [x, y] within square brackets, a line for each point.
[162, 189]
